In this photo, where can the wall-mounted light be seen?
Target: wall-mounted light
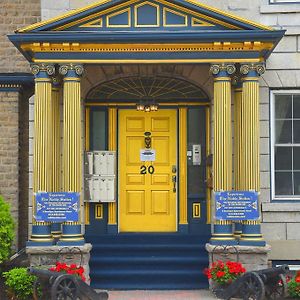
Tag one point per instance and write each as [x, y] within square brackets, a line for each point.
[147, 106]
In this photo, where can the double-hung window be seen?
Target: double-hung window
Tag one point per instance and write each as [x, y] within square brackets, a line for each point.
[285, 145]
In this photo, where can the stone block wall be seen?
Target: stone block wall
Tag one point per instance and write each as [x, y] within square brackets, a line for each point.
[9, 151]
[14, 130]
[15, 14]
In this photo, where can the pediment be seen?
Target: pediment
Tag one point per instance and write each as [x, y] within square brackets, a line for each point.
[141, 15]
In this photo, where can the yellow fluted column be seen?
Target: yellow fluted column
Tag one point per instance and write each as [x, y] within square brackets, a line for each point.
[237, 144]
[42, 156]
[72, 146]
[222, 155]
[56, 174]
[112, 146]
[250, 154]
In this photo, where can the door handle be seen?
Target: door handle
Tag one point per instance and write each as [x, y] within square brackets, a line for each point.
[174, 179]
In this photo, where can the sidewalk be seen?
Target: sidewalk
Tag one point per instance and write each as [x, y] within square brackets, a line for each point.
[161, 295]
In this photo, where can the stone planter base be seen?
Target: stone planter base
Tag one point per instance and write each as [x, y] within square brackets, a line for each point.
[47, 256]
[253, 258]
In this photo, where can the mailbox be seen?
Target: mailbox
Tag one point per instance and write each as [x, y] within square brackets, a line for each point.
[99, 183]
[104, 163]
[88, 188]
[103, 189]
[89, 163]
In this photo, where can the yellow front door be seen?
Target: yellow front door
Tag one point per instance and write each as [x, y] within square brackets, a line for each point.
[147, 170]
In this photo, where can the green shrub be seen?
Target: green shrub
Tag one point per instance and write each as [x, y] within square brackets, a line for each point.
[6, 230]
[19, 284]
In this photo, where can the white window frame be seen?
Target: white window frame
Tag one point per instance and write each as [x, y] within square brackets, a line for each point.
[283, 1]
[272, 143]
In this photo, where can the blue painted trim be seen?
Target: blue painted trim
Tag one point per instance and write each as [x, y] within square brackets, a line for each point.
[112, 229]
[183, 228]
[146, 56]
[24, 79]
[145, 37]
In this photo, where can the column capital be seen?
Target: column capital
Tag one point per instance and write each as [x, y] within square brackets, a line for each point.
[222, 70]
[253, 70]
[56, 83]
[71, 70]
[43, 69]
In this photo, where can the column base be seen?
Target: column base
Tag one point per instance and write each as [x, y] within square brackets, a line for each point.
[41, 235]
[251, 235]
[56, 230]
[223, 235]
[71, 235]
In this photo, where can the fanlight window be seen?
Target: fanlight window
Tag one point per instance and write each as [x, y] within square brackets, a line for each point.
[162, 89]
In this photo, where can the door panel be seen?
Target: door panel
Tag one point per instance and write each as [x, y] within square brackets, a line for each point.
[147, 202]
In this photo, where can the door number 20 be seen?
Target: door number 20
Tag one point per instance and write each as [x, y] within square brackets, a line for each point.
[144, 170]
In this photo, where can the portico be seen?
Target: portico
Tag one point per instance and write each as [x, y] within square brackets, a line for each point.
[230, 52]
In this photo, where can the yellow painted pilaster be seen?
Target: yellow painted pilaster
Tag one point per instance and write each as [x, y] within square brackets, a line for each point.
[208, 168]
[182, 178]
[112, 146]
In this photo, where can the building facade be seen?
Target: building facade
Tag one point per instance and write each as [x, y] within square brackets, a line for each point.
[171, 102]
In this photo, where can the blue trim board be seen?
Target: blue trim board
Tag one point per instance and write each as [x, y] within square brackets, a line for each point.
[119, 56]
[146, 37]
[24, 79]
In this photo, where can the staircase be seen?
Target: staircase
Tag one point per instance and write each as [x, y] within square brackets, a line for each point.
[148, 261]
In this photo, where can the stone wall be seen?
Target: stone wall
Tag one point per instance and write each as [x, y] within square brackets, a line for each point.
[9, 151]
[15, 14]
[14, 130]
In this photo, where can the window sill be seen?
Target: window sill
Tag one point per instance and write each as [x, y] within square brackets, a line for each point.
[290, 206]
[280, 8]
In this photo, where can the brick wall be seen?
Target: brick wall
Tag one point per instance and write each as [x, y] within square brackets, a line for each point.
[15, 14]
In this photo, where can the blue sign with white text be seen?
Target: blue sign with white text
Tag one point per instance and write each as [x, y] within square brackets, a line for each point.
[237, 205]
[57, 207]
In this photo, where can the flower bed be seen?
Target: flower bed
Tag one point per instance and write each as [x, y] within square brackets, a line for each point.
[72, 269]
[224, 273]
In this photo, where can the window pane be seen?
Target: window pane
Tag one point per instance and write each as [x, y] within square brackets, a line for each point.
[283, 106]
[283, 158]
[297, 131]
[296, 183]
[296, 106]
[97, 129]
[283, 183]
[283, 132]
[296, 158]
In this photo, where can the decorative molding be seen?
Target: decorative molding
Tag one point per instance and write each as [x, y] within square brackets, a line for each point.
[260, 69]
[228, 68]
[48, 68]
[184, 47]
[64, 69]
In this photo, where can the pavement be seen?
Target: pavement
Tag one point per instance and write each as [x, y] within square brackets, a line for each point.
[161, 295]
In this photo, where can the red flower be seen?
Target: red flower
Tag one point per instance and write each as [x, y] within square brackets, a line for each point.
[220, 274]
[73, 269]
